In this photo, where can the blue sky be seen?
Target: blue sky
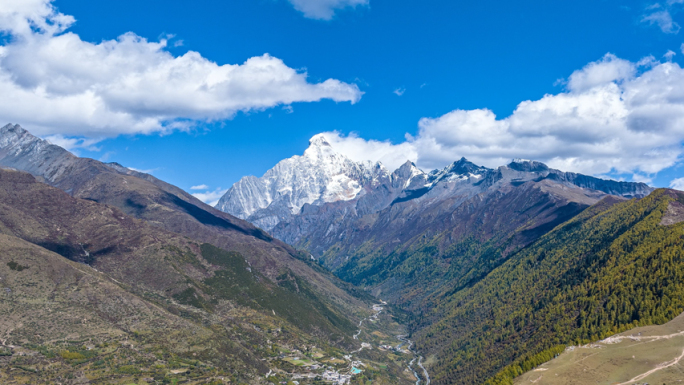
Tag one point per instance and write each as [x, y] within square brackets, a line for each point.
[400, 67]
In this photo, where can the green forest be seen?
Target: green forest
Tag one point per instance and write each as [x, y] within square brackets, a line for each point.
[610, 269]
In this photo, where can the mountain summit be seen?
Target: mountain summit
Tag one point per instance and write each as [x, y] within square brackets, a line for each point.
[320, 175]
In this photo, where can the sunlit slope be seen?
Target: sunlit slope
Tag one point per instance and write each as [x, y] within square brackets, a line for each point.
[650, 354]
[613, 267]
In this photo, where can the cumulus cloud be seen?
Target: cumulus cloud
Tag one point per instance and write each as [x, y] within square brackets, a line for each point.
[199, 187]
[55, 83]
[324, 9]
[615, 117]
[211, 197]
[24, 17]
[359, 149]
[677, 184]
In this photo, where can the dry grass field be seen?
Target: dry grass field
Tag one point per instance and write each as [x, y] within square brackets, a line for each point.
[645, 355]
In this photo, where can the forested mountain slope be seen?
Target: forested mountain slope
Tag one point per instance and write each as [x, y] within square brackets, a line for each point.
[615, 266]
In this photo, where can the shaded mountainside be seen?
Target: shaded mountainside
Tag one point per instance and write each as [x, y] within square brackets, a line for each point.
[165, 206]
[447, 235]
[615, 266]
[152, 261]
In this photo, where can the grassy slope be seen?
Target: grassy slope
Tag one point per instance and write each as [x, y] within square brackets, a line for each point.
[153, 263]
[618, 360]
[53, 307]
[606, 271]
[222, 306]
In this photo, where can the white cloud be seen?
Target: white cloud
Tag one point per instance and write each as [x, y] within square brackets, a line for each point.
[74, 143]
[200, 187]
[616, 116]
[148, 171]
[324, 9]
[609, 69]
[677, 184]
[399, 91]
[211, 197]
[669, 55]
[53, 82]
[359, 149]
[25, 17]
[662, 17]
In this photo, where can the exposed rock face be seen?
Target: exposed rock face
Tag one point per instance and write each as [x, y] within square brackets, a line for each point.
[23, 151]
[675, 210]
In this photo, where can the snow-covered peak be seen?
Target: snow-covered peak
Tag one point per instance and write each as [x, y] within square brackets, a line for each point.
[318, 176]
[318, 140]
[409, 176]
[463, 169]
[320, 150]
[408, 169]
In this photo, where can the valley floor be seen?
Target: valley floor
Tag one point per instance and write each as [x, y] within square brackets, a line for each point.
[651, 354]
[385, 357]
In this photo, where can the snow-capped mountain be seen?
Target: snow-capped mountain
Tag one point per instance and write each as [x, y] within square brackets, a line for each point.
[320, 175]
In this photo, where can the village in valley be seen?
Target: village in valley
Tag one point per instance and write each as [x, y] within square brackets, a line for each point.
[382, 345]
